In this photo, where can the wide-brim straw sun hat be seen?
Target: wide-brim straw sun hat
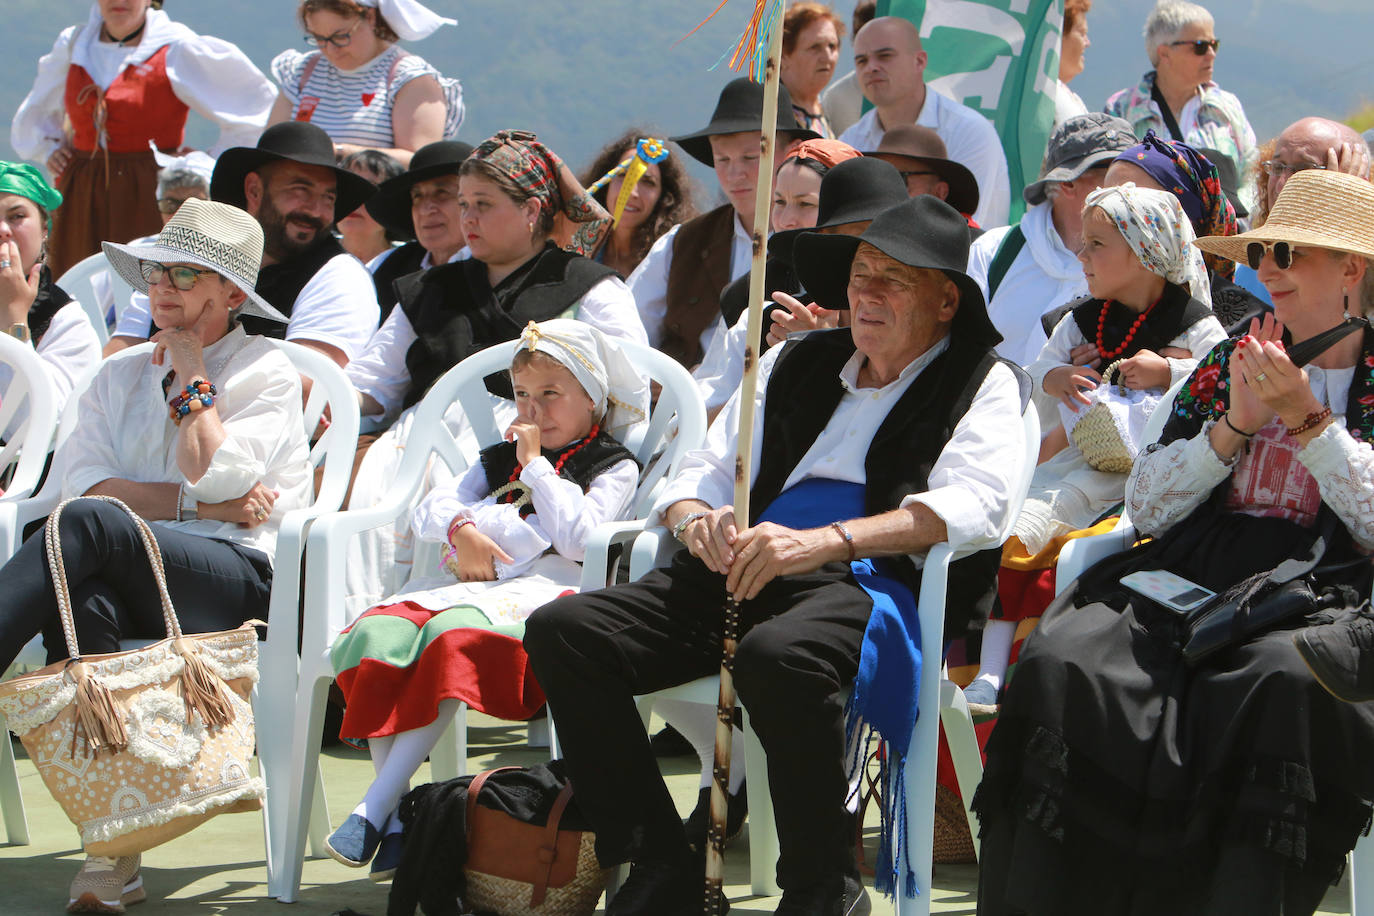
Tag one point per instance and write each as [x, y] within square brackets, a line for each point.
[209, 234]
[1317, 208]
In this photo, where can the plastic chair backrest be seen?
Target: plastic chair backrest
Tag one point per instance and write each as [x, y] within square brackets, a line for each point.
[76, 282]
[334, 449]
[25, 451]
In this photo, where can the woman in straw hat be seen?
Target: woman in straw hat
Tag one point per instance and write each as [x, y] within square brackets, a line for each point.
[201, 435]
[1140, 766]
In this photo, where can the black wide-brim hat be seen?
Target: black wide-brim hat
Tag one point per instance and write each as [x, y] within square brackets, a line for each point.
[740, 109]
[293, 141]
[855, 190]
[391, 206]
[922, 232]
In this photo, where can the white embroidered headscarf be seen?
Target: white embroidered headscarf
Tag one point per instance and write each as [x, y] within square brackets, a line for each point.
[196, 162]
[409, 19]
[600, 366]
[1154, 225]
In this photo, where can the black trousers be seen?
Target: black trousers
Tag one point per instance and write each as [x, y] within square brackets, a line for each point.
[215, 585]
[594, 652]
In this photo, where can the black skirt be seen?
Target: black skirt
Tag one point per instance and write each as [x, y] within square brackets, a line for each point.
[1120, 780]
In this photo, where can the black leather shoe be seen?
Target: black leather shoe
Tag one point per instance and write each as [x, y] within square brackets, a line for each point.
[699, 821]
[1341, 656]
[842, 896]
[662, 889]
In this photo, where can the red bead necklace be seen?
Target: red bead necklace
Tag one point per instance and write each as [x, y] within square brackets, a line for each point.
[512, 495]
[1125, 341]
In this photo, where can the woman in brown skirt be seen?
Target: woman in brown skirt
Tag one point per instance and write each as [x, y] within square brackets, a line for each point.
[112, 87]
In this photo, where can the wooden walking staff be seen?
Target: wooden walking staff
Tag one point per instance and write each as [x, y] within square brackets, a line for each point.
[764, 32]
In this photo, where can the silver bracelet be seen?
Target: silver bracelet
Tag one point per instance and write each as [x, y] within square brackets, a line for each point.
[681, 527]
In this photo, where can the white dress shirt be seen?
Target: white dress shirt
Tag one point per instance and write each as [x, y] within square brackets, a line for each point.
[125, 432]
[380, 370]
[213, 77]
[649, 281]
[970, 485]
[1044, 276]
[338, 306]
[722, 368]
[970, 140]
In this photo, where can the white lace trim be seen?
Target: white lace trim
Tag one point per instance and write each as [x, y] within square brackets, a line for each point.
[101, 830]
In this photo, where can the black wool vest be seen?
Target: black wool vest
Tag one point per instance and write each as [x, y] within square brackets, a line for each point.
[280, 284]
[582, 467]
[402, 261]
[803, 392]
[456, 313]
[1175, 313]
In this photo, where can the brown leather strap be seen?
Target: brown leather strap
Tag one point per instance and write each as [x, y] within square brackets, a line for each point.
[475, 789]
[548, 848]
[310, 66]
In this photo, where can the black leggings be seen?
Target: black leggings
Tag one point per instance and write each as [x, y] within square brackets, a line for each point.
[214, 584]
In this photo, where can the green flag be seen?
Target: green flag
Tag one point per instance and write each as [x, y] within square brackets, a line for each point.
[999, 57]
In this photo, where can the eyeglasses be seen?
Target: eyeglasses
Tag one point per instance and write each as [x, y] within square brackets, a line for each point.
[183, 278]
[339, 39]
[909, 175]
[1283, 254]
[169, 205]
[1279, 167]
[1200, 47]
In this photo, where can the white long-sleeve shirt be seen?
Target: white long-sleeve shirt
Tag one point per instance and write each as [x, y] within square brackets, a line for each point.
[970, 140]
[649, 282]
[213, 77]
[969, 488]
[125, 432]
[380, 370]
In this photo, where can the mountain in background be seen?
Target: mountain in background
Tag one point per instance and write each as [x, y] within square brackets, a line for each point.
[580, 73]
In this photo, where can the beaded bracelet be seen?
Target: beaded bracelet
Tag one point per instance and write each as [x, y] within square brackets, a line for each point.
[198, 395]
[1313, 420]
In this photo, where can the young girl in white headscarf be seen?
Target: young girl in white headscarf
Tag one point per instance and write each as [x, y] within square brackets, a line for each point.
[515, 528]
[1149, 305]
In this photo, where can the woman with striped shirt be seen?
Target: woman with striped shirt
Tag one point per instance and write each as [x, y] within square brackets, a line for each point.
[359, 86]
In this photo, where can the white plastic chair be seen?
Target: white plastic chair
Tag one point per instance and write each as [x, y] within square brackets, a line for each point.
[277, 661]
[938, 699]
[678, 405]
[77, 284]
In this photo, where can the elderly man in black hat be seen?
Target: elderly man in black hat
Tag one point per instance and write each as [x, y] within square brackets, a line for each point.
[878, 441]
[678, 284]
[290, 184]
[1030, 268]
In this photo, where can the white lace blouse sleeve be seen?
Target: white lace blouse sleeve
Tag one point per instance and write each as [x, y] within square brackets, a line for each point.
[1344, 471]
[437, 511]
[1197, 340]
[610, 308]
[1056, 352]
[1170, 481]
[36, 131]
[218, 81]
[566, 514]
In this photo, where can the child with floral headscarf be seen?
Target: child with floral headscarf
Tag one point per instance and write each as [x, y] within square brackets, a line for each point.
[1149, 307]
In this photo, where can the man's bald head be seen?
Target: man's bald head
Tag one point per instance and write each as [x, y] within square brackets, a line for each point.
[1308, 143]
[889, 60]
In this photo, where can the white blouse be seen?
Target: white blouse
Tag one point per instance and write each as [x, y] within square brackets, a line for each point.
[213, 77]
[563, 518]
[125, 432]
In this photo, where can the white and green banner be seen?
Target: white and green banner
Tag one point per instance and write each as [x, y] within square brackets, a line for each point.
[1000, 57]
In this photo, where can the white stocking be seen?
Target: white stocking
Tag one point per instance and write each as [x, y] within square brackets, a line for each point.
[697, 723]
[998, 636]
[406, 752]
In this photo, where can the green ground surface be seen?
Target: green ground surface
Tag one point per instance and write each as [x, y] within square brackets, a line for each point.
[219, 868]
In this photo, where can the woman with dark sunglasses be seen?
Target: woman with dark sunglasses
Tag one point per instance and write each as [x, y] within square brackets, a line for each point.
[1130, 772]
[359, 86]
[1178, 99]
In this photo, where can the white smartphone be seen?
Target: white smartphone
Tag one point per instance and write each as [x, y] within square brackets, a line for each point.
[1163, 587]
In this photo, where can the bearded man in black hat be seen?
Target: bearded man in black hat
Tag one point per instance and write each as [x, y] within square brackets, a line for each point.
[290, 184]
[878, 441]
[678, 284]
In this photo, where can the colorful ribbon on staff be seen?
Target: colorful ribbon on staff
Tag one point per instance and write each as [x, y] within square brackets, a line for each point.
[633, 168]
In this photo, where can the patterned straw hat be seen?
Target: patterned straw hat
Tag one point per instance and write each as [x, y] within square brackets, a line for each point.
[1318, 208]
[217, 236]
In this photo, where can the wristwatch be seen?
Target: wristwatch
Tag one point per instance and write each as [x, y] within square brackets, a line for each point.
[20, 332]
[681, 527]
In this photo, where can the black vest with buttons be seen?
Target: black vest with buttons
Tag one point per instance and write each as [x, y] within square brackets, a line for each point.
[803, 392]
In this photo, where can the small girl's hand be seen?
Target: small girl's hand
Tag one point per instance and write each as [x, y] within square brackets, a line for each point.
[1147, 369]
[474, 555]
[525, 435]
[1066, 382]
[1085, 355]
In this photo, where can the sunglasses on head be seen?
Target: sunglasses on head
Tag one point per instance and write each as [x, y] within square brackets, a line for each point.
[1283, 254]
[1200, 47]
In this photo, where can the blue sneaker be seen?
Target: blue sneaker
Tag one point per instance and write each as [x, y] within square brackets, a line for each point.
[388, 857]
[355, 842]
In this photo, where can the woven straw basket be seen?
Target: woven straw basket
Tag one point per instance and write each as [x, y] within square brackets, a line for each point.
[509, 897]
[1098, 437]
[140, 747]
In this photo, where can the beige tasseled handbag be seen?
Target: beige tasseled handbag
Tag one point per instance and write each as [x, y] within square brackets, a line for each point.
[140, 747]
